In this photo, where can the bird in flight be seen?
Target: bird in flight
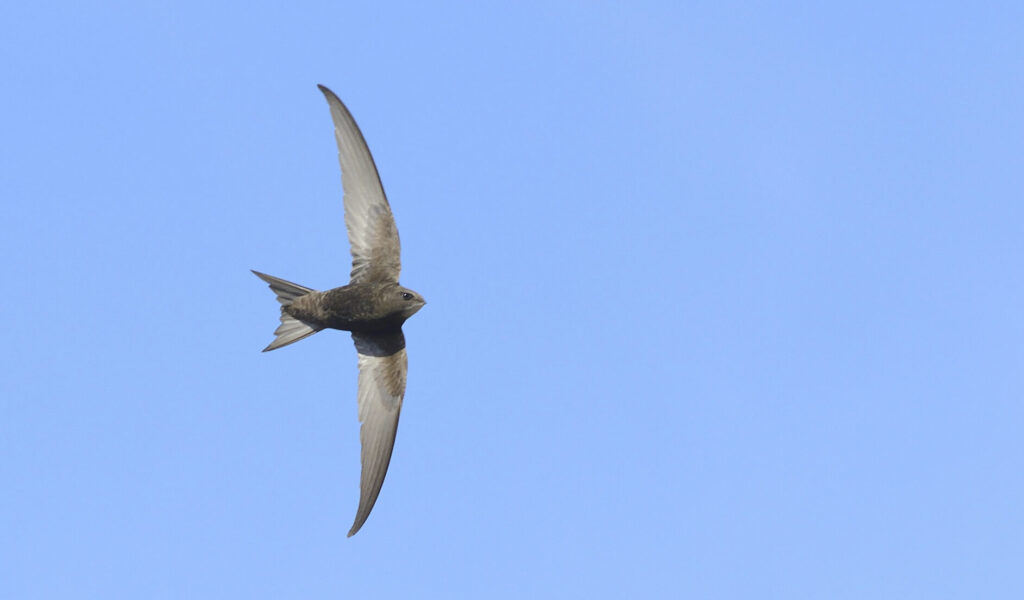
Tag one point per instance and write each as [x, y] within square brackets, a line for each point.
[373, 306]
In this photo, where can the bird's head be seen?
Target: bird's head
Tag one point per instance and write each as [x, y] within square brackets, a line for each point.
[406, 301]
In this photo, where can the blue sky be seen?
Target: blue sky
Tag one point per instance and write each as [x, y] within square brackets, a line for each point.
[725, 301]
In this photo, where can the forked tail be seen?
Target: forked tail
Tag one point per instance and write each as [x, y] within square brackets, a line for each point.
[291, 329]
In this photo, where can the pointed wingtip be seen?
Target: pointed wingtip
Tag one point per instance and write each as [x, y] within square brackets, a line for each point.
[356, 526]
[327, 91]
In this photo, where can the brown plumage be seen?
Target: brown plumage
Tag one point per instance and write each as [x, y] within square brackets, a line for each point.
[373, 306]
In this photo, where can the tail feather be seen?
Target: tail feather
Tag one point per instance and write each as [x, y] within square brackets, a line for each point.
[291, 329]
[286, 291]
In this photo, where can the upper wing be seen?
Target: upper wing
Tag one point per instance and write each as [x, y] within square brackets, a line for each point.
[376, 252]
[382, 371]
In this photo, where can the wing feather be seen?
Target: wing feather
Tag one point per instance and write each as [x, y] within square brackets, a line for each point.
[381, 390]
[376, 250]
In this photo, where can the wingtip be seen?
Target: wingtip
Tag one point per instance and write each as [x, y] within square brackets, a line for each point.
[326, 91]
[356, 526]
[355, 529]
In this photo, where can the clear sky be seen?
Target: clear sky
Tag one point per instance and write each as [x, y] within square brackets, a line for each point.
[725, 301]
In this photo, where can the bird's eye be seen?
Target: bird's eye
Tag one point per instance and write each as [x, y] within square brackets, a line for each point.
[406, 296]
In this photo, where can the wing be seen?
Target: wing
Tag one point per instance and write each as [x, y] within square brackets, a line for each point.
[376, 252]
[382, 368]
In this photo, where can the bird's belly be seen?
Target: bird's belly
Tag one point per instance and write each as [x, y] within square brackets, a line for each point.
[356, 323]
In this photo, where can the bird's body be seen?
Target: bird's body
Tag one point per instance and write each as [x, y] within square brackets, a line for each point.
[359, 307]
[373, 306]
